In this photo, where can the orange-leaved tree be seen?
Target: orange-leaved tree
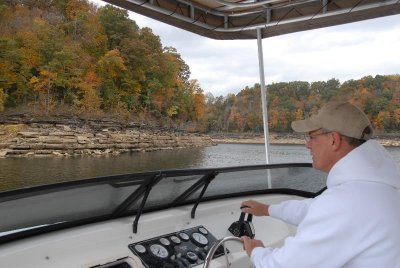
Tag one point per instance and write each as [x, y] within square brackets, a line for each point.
[43, 85]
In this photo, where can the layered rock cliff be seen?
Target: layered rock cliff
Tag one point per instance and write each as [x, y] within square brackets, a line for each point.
[55, 139]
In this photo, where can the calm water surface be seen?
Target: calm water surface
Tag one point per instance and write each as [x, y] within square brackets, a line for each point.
[23, 172]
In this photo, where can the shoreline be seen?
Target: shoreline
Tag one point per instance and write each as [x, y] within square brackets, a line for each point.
[105, 138]
[287, 141]
[257, 141]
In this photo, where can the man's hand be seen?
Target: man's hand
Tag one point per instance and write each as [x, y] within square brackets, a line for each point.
[255, 208]
[250, 244]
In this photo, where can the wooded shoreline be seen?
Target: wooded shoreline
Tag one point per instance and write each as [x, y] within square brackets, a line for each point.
[392, 139]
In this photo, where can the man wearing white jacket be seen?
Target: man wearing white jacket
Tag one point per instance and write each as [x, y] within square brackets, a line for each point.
[355, 222]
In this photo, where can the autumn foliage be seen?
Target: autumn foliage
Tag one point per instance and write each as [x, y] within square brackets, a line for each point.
[71, 56]
[95, 61]
[378, 96]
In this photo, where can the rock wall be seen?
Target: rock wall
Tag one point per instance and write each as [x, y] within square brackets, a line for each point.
[38, 139]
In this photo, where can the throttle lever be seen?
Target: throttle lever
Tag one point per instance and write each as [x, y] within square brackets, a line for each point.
[243, 227]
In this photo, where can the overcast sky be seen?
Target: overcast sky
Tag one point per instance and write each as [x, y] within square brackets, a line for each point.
[344, 52]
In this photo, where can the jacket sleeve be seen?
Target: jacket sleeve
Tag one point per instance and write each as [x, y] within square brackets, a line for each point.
[319, 241]
[292, 211]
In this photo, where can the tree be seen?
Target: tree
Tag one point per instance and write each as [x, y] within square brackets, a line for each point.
[43, 85]
[381, 120]
[184, 70]
[327, 89]
[67, 65]
[91, 101]
[112, 72]
[396, 117]
[199, 103]
[3, 97]
[117, 25]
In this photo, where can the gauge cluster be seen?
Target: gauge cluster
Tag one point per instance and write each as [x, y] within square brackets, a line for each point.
[186, 248]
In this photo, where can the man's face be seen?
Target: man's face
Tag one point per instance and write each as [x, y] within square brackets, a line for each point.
[318, 143]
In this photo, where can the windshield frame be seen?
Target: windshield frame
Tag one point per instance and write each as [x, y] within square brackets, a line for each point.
[136, 181]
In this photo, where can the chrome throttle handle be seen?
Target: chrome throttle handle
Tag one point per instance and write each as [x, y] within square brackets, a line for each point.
[214, 248]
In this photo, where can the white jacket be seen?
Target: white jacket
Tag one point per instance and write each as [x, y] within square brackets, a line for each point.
[354, 223]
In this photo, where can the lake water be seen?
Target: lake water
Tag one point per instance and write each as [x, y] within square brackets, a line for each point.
[23, 172]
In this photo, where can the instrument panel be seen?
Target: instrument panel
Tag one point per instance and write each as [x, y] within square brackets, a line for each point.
[186, 248]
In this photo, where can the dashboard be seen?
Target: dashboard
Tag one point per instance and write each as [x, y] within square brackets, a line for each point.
[165, 239]
[186, 248]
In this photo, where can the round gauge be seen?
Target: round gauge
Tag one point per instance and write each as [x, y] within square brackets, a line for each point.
[175, 239]
[191, 256]
[165, 241]
[203, 230]
[199, 239]
[140, 249]
[184, 236]
[159, 251]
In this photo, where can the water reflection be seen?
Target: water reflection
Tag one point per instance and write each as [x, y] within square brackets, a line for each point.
[23, 172]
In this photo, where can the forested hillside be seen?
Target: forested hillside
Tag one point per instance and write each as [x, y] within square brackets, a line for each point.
[69, 57]
[378, 96]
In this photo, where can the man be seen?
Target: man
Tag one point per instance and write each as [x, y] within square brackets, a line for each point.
[355, 222]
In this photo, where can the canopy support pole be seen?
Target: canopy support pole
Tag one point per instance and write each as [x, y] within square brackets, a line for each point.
[263, 94]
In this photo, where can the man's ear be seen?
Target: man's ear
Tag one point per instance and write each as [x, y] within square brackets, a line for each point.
[336, 140]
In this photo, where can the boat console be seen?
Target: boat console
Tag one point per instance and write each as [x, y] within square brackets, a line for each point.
[186, 248]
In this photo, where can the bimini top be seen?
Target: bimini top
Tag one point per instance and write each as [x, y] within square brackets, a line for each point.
[239, 19]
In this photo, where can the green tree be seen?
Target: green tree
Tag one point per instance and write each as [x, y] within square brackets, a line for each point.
[117, 25]
[112, 72]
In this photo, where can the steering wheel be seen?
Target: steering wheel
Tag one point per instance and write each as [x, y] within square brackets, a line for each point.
[214, 248]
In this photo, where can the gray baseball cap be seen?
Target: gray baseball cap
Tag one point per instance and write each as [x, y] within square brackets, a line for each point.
[343, 117]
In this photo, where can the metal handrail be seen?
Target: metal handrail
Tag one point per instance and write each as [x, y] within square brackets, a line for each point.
[214, 248]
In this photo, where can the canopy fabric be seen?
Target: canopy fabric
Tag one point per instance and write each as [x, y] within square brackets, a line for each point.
[239, 19]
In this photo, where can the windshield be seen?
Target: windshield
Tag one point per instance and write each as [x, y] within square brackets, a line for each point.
[70, 203]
